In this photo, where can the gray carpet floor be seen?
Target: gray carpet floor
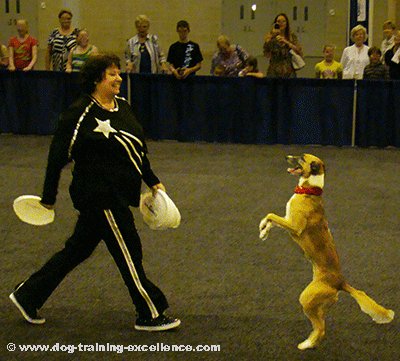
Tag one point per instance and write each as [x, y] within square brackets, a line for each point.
[228, 287]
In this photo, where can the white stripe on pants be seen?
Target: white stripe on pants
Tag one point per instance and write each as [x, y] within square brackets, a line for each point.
[128, 259]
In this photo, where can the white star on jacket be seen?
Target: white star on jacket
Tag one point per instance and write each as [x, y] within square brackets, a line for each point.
[104, 127]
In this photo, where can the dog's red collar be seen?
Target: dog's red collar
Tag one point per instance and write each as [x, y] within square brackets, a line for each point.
[315, 191]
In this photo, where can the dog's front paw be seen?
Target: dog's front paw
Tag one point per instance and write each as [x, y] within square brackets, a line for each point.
[265, 226]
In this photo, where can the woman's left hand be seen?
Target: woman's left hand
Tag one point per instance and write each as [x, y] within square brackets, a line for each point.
[283, 40]
[156, 187]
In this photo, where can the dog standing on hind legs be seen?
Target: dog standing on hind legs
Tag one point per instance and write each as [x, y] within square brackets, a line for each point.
[306, 222]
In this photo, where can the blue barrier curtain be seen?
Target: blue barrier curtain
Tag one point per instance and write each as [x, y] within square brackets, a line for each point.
[31, 102]
[213, 109]
[378, 116]
[244, 110]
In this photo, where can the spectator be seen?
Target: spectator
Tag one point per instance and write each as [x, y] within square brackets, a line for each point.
[355, 57]
[4, 57]
[392, 57]
[22, 49]
[144, 54]
[60, 42]
[375, 69]
[251, 68]
[184, 56]
[277, 46]
[388, 37]
[81, 52]
[229, 58]
[329, 68]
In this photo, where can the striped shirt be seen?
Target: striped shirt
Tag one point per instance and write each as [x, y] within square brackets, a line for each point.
[376, 71]
[79, 59]
[61, 45]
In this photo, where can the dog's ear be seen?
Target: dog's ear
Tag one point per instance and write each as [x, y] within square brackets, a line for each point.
[315, 168]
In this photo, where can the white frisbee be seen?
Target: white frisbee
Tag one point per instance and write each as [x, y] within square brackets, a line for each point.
[159, 211]
[29, 210]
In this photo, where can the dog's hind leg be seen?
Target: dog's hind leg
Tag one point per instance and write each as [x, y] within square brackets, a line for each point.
[378, 313]
[316, 299]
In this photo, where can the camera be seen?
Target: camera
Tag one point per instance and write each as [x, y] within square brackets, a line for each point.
[276, 26]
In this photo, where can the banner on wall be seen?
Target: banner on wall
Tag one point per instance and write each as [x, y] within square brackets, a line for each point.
[361, 11]
[359, 15]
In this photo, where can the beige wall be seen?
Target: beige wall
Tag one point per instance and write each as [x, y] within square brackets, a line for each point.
[336, 24]
[110, 23]
[382, 11]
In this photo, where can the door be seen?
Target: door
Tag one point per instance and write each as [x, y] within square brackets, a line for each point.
[246, 22]
[13, 10]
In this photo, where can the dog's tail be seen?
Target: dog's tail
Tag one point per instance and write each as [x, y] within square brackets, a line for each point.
[378, 313]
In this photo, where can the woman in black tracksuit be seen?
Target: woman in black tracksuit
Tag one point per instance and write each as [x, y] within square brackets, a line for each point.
[101, 135]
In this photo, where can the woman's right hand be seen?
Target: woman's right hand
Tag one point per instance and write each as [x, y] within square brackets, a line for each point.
[48, 206]
[129, 67]
[268, 37]
[275, 32]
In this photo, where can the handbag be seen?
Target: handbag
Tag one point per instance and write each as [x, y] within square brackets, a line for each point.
[297, 61]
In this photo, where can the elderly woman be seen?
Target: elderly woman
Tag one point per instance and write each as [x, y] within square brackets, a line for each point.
[392, 57]
[60, 43]
[279, 42]
[144, 54]
[229, 60]
[101, 135]
[389, 28]
[355, 57]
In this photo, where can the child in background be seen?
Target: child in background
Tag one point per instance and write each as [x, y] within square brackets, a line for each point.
[3, 56]
[329, 68]
[375, 69]
[251, 68]
[78, 55]
[22, 48]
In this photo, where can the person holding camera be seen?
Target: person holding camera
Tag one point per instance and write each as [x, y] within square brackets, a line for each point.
[278, 44]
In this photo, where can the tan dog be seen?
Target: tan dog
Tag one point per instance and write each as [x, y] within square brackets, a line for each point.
[306, 222]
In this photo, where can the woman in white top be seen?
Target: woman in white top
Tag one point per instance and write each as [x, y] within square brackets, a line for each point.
[355, 57]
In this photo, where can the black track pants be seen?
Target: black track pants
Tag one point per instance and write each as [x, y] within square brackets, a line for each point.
[116, 227]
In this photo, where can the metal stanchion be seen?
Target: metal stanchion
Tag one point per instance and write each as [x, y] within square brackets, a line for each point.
[128, 84]
[353, 129]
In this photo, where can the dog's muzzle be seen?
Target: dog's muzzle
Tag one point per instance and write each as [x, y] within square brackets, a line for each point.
[295, 163]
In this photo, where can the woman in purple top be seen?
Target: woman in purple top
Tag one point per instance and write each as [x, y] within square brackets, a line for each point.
[229, 60]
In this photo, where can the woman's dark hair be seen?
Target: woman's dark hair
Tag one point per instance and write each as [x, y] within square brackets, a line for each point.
[287, 30]
[64, 11]
[93, 70]
[374, 49]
